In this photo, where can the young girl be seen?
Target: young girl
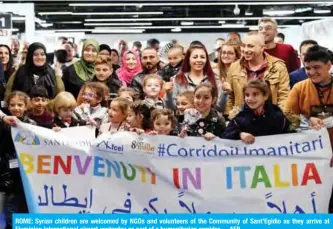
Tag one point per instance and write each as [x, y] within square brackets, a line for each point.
[163, 122]
[185, 100]
[92, 104]
[10, 179]
[259, 117]
[152, 87]
[63, 107]
[117, 116]
[138, 117]
[127, 93]
[209, 124]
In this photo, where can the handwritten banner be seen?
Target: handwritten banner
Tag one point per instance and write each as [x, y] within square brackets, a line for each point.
[129, 173]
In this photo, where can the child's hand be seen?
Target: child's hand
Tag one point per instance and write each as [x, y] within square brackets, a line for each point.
[316, 123]
[139, 131]
[92, 122]
[226, 86]
[84, 105]
[247, 138]
[209, 136]
[11, 120]
[182, 133]
[56, 128]
[153, 132]
[168, 85]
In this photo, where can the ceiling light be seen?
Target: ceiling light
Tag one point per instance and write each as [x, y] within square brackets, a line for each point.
[115, 24]
[302, 10]
[222, 22]
[187, 23]
[248, 13]
[278, 12]
[118, 13]
[208, 19]
[55, 13]
[176, 30]
[73, 30]
[68, 22]
[202, 3]
[18, 18]
[117, 31]
[253, 28]
[233, 26]
[321, 11]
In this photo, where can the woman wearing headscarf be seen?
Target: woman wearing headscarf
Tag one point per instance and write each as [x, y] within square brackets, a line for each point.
[36, 71]
[130, 67]
[83, 70]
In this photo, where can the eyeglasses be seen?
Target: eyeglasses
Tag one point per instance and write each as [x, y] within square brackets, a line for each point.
[89, 94]
[228, 53]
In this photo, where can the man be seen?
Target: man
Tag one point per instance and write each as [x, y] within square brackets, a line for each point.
[268, 27]
[137, 46]
[313, 97]
[279, 39]
[300, 74]
[233, 36]
[255, 63]
[15, 48]
[214, 56]
[153, 43]
[150, 65]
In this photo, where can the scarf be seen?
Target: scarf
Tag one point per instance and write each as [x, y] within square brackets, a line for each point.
[83, 69]
[124, 73]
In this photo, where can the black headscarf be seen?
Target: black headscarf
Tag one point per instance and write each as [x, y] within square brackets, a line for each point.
[10, 63]
[25, 79]
[105, 47]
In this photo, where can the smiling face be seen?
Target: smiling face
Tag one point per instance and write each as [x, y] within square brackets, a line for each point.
[134, 120]
[89, 96]
[149, 59]
[4, 55]
[198, 59]
[269, 30]
[253, 47]
[203, 100]
[228, 54]
[318, 71]
[163, 125]
[90, 54]
[65, 113]
[254, 98]
[39, 58]
[17, 106]
[183, 103]
[130, 61]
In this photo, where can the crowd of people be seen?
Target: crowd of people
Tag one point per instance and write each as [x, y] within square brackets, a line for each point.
[248, 87]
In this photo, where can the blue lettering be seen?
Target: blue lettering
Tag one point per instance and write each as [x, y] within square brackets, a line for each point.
[97, 166]
[168, 150]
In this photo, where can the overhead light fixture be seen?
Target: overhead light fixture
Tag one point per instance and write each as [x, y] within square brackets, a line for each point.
[117, 31]
[72, 30]
[233, 26]
[176, 30]
[187, 23]
[321, 11]
[302, 10]
[248, 13]
[278, 12]
[222, 22]
[116, 24]
[55, 13]
[68, 22]
[18, 18]
[206, 19]
[119, 13]
[202, 3]
[253, 28]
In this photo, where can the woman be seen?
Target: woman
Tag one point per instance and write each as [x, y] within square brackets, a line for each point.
[229, 53]
[196, 70]
[104, 50]
[36, 71]
[83, 70]
[130, 67]
[114, 59]
[7, 62]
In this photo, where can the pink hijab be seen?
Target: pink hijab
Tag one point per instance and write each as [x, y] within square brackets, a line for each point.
[124, 73]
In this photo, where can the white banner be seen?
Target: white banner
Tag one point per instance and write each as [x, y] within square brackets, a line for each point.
[128, 173]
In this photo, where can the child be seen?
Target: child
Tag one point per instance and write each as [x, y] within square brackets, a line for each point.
[92, 104]
[63, 107]
[163, 122]
[39, 99]
[127, 93]
[117, 116]
[185, 100]
[152, 86]
[106, 75]
[138, 117]
[10, 179]
[175, 57]
[209, 123]
[259, 117]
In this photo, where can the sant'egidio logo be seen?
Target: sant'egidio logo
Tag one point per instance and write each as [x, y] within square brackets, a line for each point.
[27, 138]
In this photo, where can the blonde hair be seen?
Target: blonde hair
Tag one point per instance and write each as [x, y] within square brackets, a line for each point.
[268, 19]
[23, 96]
[188, 95]
[64, 100]
[124, 104]
[221, 67]
[130, 91]
[155, 77]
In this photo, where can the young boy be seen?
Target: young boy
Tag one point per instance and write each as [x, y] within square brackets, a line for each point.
[152, 86]
[175, 57]
[39, 99]
[106, 74]
[185, 100]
